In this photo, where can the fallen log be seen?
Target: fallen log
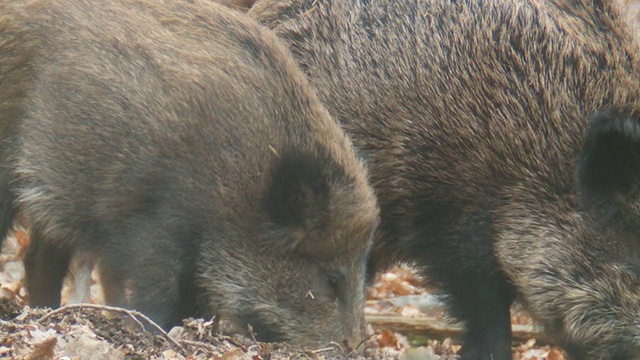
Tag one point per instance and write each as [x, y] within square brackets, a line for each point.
[439, 329]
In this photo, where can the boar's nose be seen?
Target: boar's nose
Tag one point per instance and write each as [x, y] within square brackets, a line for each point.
[356, 332]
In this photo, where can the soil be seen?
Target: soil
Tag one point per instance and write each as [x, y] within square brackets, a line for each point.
[79, 333]
[93, 331]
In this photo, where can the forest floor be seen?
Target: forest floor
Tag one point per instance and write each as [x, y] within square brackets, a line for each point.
[396, 302]
[404, 315]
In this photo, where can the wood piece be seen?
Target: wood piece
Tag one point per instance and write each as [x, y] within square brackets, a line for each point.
[439, 329]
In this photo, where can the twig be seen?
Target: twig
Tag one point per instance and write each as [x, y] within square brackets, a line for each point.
[313, 6]
[335, 344]
[234, 342]
[90, 306]
[201, 344]
[362, 343]
[252, 334]
[319, 351]
[441, 329]
[261, 347]
[132, 314]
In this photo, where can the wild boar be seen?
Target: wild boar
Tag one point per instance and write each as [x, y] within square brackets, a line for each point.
[474, 119]
[177, 143]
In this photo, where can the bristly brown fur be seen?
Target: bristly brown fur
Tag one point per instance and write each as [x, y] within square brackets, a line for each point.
[241, 5]
[473, 117]
[151, 136]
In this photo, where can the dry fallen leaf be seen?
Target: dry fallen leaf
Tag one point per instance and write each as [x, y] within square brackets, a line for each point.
[4, 350]
[410, 311]
[44, 349]
[555, 354]
[172, 355]
[233, 355]
[23, 239]
[387, 338]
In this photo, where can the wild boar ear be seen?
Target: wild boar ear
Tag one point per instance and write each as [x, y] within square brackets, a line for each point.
[609, 169]
[297, 200]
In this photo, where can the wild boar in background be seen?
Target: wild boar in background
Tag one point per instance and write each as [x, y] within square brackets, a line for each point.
[178, 144]
[474, 118]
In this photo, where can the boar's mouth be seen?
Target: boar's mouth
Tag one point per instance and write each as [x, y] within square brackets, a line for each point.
[265, 326]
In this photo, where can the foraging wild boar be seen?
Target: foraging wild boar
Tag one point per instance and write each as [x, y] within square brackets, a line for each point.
[178, 144]
[475, 120]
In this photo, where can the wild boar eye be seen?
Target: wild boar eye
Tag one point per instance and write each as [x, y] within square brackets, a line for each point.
[332, 280]
[332, 287]
[334, 284]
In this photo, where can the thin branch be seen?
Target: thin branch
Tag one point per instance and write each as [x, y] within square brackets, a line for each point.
[336, 345]
[201, 344]
[354, 350]
[132, 314]
[252, 334]
[441, 329]
[234, 342]
[319, 351]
